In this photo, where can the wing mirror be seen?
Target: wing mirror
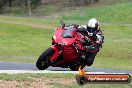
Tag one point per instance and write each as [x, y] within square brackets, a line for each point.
[62, 24]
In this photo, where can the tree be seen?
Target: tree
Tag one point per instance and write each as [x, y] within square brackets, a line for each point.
[10, 2]
[32, 4]
[29, 8]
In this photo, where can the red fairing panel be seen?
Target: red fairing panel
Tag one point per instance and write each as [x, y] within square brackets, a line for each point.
[56, 54]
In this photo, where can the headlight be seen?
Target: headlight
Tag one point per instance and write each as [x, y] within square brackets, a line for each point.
[61, 44]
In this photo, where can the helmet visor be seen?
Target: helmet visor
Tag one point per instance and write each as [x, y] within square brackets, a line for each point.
[91, 30]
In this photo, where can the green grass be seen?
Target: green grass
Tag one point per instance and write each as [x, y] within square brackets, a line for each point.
[37, 21]
[19, 41]
[117, 47]
[118, 12]
[30, 78]
[98, 86]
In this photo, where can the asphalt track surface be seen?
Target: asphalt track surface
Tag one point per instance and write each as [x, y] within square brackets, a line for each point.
[25, 67]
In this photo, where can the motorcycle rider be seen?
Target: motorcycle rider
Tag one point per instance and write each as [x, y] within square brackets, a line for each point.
[93, 32]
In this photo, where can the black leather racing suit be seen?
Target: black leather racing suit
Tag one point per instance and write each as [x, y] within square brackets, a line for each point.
[98, 38]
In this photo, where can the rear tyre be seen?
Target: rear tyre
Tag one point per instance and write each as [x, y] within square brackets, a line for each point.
[43, 61]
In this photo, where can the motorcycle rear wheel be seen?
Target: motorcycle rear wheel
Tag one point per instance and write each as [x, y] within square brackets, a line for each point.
[43, 61]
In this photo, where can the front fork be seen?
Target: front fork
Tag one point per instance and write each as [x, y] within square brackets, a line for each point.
[53, 59]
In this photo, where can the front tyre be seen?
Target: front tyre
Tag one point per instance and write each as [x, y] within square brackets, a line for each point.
[43, 61]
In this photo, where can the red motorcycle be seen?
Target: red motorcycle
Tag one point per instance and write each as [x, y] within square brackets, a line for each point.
[67, 49]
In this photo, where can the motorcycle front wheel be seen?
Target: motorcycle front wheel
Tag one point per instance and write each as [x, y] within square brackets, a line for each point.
[43, 61]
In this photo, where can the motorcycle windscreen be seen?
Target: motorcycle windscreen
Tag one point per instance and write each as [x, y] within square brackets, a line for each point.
[68, 33]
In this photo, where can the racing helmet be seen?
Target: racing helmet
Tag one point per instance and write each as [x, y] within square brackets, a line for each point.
[92, 26]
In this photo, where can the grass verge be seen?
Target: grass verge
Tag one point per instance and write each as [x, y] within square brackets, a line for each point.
[19, 41]
[54, 80]
[114, 13]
